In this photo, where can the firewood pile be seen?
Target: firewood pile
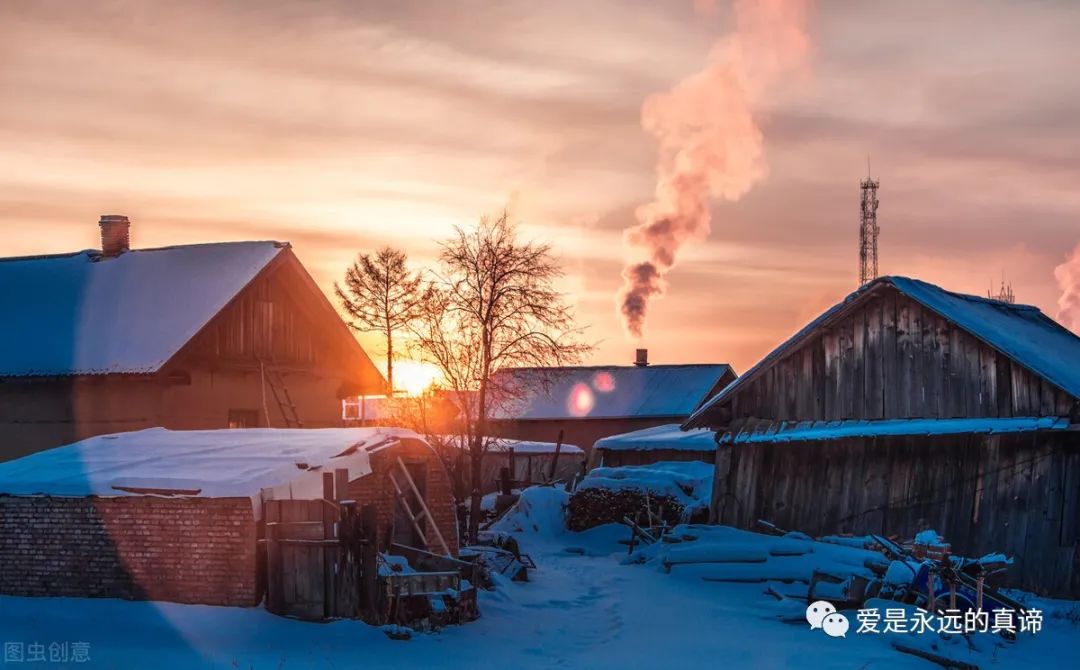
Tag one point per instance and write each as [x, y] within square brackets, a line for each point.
[596, 506]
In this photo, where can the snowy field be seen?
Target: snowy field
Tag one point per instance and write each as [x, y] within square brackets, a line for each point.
[585, 607]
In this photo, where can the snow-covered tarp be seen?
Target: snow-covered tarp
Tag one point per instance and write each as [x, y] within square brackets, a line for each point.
[667, 436]
[689, 483]
[81, 314]
[269, 462]
[608, 391]
[798, 431]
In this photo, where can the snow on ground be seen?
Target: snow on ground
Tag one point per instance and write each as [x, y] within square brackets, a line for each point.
[587, 606]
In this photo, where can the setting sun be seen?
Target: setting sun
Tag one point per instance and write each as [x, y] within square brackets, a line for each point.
[414, 377]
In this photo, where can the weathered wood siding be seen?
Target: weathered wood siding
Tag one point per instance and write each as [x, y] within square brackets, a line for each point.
[894, 359]
[1016, 493]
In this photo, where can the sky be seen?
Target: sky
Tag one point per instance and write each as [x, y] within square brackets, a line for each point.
[341, 126]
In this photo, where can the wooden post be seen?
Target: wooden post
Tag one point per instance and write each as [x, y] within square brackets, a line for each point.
[341, 484]
[555, 458]
[504, 479]
[369, 569]
[328, 533]
[510, 465]
[273, 556]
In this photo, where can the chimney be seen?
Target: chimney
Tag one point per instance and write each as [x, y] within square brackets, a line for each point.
[642, 358]
[114, 235]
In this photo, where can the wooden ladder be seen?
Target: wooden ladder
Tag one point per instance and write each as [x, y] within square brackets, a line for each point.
[273, 377]
[424, 513]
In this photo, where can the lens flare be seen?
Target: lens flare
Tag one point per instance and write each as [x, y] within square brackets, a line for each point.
[581, 400]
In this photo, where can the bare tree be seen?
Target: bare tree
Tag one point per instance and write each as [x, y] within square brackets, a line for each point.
[492, 306]
[381, 295]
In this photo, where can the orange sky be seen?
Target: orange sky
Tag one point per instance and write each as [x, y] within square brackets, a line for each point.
[339, 126]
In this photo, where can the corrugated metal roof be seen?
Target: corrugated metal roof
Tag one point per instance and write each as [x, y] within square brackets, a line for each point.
[1021, 332]
[606, 392]
[81, 314]
[804, 431]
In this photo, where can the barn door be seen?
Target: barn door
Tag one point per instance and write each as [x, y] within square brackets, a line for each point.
[300, 549]
[318, 554]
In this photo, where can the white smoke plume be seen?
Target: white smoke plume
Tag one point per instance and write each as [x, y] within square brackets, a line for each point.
[709, 143]
[1068, 279]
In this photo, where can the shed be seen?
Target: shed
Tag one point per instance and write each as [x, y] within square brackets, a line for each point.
[665, 443]
[178, 515]
[905, 407]
[528, 462]
[584, 404]
[197, 336]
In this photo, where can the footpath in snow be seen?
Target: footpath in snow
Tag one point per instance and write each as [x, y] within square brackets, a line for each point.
[587, 606]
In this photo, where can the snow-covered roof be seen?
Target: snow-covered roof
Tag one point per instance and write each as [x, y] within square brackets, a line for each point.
[606, 392]
[83, 314]
[1021, 332]
[800, 431]
[525, 447]
[667, 436]
[205, 463]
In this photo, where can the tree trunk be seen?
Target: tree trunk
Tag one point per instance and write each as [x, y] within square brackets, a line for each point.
[389, 364]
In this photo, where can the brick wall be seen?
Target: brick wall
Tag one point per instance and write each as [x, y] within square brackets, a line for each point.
[377, 489]
[189, 550]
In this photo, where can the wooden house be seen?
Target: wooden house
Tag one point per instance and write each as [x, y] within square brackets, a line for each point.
[187, 337]
[584, 404]
[193, 522]
[907, 407]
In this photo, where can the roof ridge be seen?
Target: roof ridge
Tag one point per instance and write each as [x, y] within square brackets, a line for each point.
[95, 252]
[616, 366]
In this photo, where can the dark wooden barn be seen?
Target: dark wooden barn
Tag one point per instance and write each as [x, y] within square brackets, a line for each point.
[907, 407]
[584, 404]
[187, 337]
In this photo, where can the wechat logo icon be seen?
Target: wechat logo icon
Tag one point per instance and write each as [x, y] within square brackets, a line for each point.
[822, 614]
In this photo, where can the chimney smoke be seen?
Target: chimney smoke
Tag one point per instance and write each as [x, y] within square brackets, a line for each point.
[710, 145]
[115, 235]
[1068, 279]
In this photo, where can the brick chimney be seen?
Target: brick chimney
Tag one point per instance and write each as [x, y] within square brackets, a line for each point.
[641, 359]
[114, 235]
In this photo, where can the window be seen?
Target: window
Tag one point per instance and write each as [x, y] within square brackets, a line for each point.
[243, 418]
[350, 408]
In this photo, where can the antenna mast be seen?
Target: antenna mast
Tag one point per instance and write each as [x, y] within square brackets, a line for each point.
[868, 229]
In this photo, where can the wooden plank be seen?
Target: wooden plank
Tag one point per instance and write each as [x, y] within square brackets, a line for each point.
[820, 385]
[858, 370]
[872, 387]
[830, 346]
[890, 370]
[905, 359]
[1003, 375]
[972, 372]
[988, 381]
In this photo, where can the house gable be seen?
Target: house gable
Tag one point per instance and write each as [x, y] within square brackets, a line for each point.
[282, 318]
[882, 354]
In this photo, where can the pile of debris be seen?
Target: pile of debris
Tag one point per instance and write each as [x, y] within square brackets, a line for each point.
[919, 577]
[420, 590]
[670, 492]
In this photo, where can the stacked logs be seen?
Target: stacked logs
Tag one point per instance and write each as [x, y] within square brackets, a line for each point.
[592, 507]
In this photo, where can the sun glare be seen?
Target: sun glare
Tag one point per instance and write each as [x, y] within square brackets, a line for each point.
[414, 377]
